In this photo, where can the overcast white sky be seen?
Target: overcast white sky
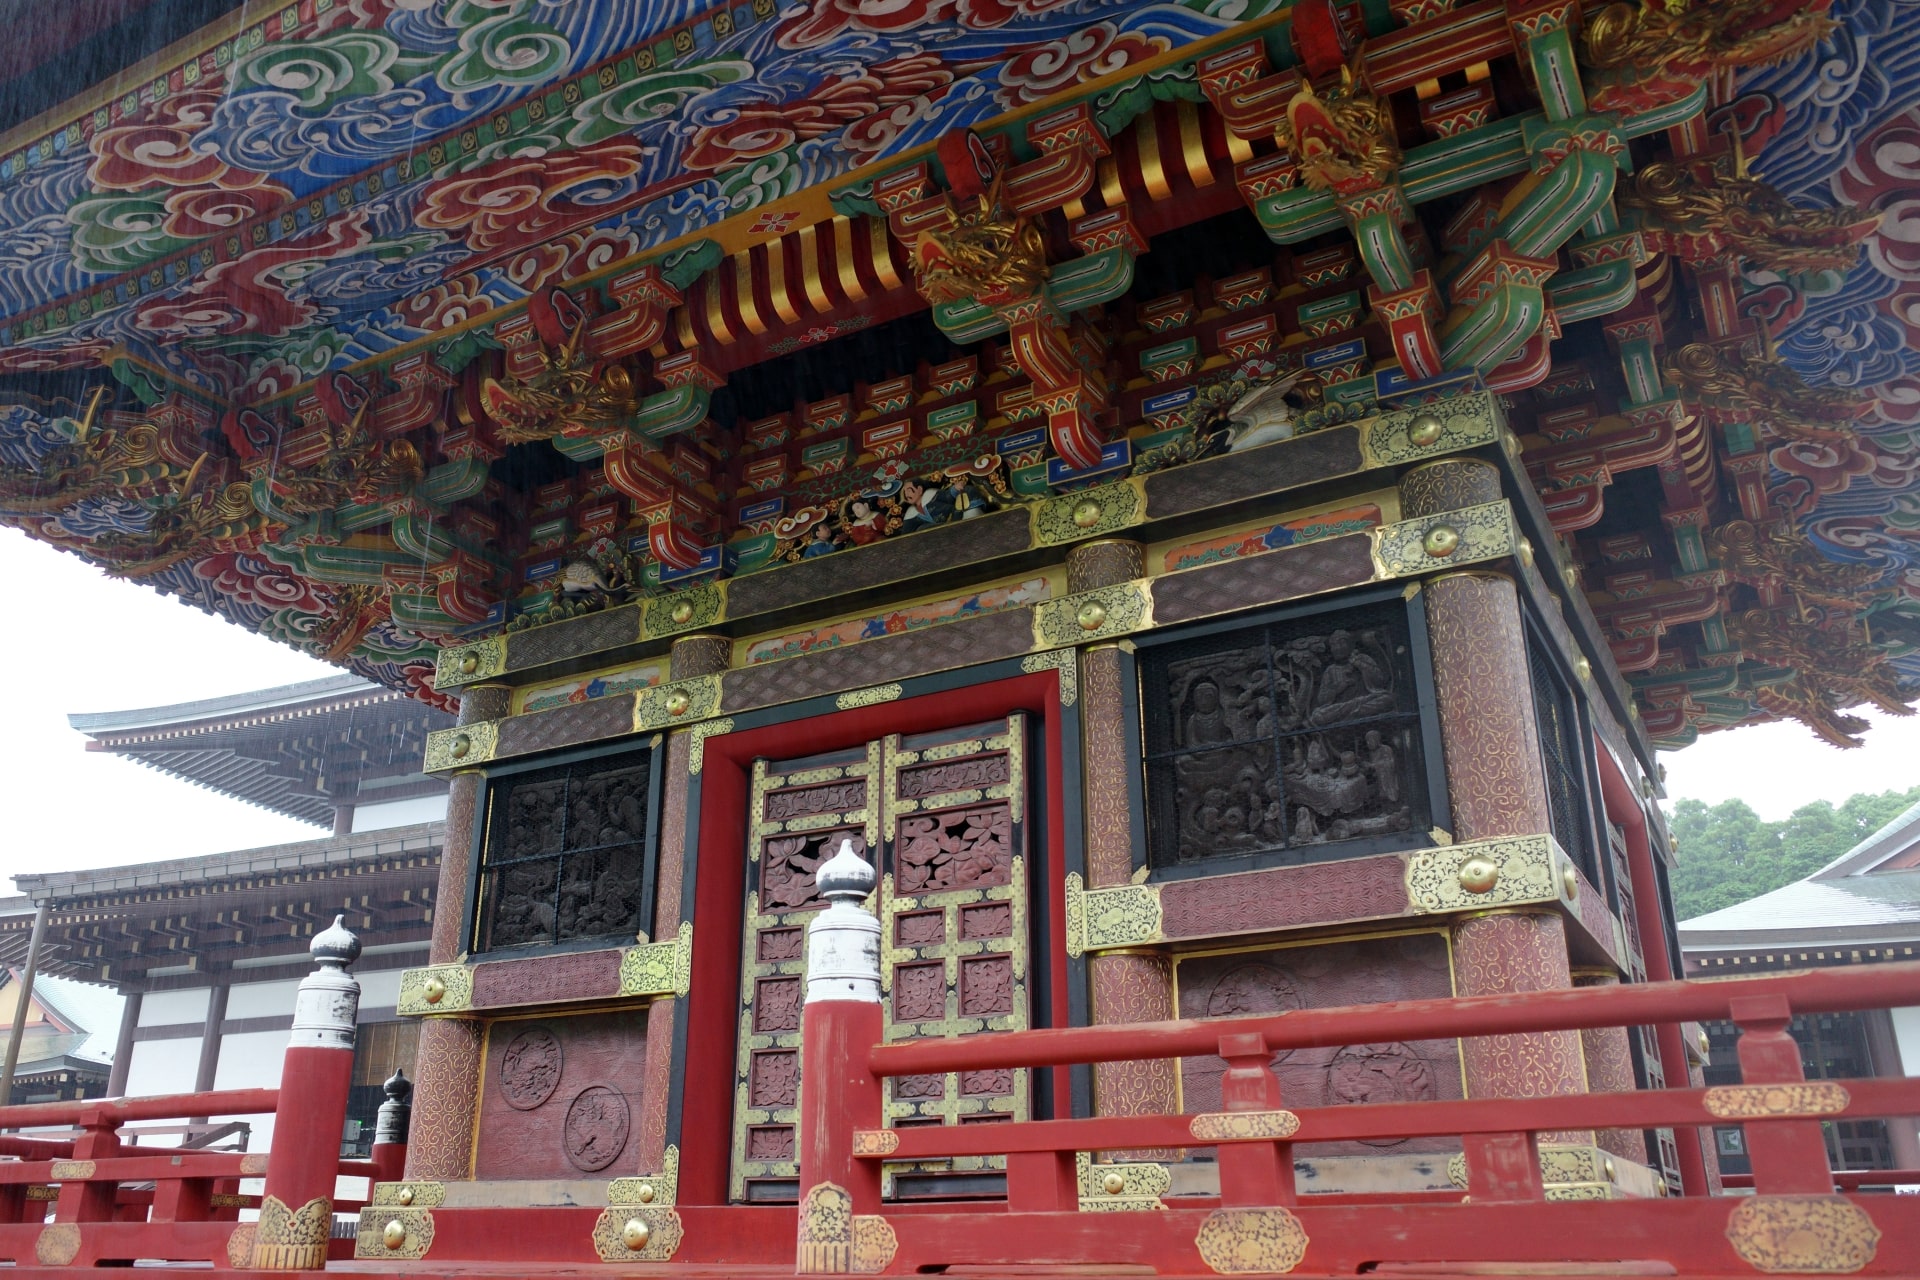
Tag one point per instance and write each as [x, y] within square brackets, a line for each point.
[77, 640]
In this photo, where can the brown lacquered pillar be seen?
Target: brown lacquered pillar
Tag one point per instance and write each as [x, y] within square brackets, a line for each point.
[702, 655]
[447, 1068]
[1496, 787]
[1125, 986]
[1609, 1057]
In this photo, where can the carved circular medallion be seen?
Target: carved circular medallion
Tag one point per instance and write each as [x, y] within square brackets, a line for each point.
[1393, 1072]
[530, 1068]
[596, 1130]
[1253, 988]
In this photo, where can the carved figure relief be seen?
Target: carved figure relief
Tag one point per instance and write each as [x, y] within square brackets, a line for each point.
[530, 1069]
[894, 502]
[565, 855]
[596, 1131]
[1281, 737]
[1379, 1073]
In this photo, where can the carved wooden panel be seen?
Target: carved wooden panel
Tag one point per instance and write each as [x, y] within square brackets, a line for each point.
[562, 1097]
[953, 906]
[565, 853]
[802, 809]
[1284, 737]
[943, 817]
[1407, 966]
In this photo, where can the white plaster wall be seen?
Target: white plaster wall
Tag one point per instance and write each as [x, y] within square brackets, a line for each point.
[1906, 1037]
[399, 813]
[380, 989]
[166, 1008]
[163, 1066]
[262, 999]
[251, 1060]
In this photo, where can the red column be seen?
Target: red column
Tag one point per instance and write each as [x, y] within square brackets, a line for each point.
[840, 1096]
[447, 1064]
[296, 1209]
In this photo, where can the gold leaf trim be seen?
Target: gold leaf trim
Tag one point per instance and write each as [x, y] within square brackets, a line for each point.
[1222, 1126]
[1088, 513]
[1136, 1181]
[697, 741]
[370, 1237]
[456, 990]
[664, 1233]
[1757, 1101]
[1127, 915]
[1466, 422]
[700, 605]
[1818, 1235]
[681, 702]
[57, 1245]
[240, 1246]
[451, 670]
[659, 968]
[424, 1195]
[1064, 661]
[664, 1186]
[461, 746]
[875, 1142]
[1251, 1241]
[1117, 610]
[1484, 532]
[1526, 868]
[872, 697]
[287, 1239]
[836, 1241]
[71, 1170]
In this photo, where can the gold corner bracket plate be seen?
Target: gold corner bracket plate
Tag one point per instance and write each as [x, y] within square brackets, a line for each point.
[461, 746]
[1431, 544]
[440, 988]
[659, 968]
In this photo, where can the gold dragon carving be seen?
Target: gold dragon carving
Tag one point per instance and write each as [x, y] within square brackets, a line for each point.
[1765, 391]
[1699, 220]
[207, 512]
[1344, 141]
[122, 462]
[357, 468]
[1693, 38]
[569, 396]
[1762, 554]
[1833, 668]
[986, 253]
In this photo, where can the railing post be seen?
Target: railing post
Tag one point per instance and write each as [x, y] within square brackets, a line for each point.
[1789, 1156]
[841, 1024]
[389, 1154]
[296, 1208]
[90, 1201]
[1252, 1173]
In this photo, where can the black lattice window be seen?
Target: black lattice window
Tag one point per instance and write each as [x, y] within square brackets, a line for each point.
[566, 853]
[1289, 741]
[1563, 757]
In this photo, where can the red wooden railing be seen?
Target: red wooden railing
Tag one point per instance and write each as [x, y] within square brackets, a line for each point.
[97, 1182]
[1253, 1138]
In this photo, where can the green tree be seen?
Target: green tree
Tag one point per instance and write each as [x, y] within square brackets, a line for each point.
[1726, 854]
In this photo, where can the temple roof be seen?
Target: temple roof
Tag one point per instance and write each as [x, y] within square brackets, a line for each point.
[122, 924]
[1870, 893]
[297, 750]
[359, 323]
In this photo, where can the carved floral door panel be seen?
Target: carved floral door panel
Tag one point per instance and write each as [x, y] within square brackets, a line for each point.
[802, 809]
[947, 813]
[953, 916]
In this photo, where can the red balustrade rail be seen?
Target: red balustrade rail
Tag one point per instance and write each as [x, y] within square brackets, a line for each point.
[1506, 1214]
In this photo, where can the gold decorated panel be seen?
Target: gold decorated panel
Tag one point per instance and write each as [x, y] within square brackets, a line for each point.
[1488, 873]
[799, 812]
[1089, 513]
[689, 609]
[441, 988]
[1432, 544]
[659, 968]
[1430, 431]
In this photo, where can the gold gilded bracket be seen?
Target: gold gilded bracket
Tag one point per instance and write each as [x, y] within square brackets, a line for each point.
[440, 988]
[461, 746]
[659, 968]
[1471, 535]
[1125, 915]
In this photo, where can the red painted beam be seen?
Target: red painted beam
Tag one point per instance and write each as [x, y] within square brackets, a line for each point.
[167, 1106]
[1820, 991]
[1641, 1109]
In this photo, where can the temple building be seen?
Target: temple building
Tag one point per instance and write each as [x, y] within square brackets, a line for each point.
[1863, 908]
[170, 977]
[1213, 506]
